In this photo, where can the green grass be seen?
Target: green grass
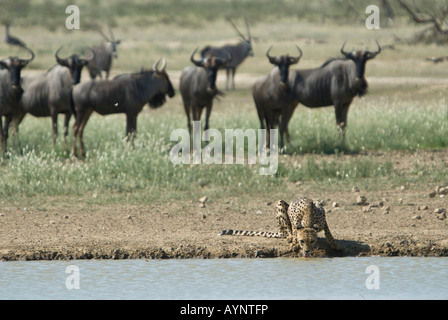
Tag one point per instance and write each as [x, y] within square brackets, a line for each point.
[51, 13]
[394, 116]
[378, 124]
[114, 171]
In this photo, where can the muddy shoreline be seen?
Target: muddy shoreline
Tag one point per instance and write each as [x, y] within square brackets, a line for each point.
[192, 252]
[392, 223]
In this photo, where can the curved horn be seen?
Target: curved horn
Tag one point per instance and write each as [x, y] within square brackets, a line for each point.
[267, 52]
[58, 59]
[199, 63]
[26, 61]
[272, 60]
[294, 60]
[156, 65]
[372, 55]
[163, 65]
[342, 49]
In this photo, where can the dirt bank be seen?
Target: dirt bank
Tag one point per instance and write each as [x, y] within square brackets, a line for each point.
[391, 223]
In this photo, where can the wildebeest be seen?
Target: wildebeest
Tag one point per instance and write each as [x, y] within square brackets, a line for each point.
[239, 52]
[126, 93]
[271, 93]
[49, 94]
[103, 56]
[10, 91]
[335, 83]
[198, 86]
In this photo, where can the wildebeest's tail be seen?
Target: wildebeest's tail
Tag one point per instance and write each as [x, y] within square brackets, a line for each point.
[247, 233]
[72, 103]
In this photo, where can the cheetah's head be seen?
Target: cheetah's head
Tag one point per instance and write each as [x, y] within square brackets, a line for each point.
[307, 237]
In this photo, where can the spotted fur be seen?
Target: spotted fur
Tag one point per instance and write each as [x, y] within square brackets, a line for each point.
[299, 222]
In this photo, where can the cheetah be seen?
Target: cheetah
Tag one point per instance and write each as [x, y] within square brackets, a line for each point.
[298, 222]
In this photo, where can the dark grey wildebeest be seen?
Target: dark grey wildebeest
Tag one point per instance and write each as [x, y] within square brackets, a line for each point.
[271, 93]
[239, 53]
[126, 93]
[198, 86]
[104, 54]
[335, 83]
[48, 94]
[10, 91]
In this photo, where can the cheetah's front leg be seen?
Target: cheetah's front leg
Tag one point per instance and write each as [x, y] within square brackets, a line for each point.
[283, 221]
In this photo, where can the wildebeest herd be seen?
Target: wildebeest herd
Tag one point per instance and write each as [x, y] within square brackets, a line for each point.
[276, 95]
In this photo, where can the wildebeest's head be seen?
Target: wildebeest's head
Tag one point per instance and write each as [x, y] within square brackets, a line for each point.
[283, 62]
[15, 66]
[360, 58]
[74, 63]
[163, 85]
[211, 64]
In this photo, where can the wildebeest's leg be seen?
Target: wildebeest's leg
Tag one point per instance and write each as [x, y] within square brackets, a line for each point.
[260, 115]
[131, 127]
[75, 129]
[2, 138]
[54, 122]
[268, 128]
[197, 111]
[68, 115]
[4, 131]
[80, 121]
[187, 111]
[83, 123]
[17, 120]
[208, 111]
[227, 78]
[286, 116]
[341, 118]
[289, 115]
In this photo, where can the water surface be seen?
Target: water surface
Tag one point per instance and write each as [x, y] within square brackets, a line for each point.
[327, 278]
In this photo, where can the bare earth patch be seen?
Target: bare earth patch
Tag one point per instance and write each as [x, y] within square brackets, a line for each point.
[403, 221]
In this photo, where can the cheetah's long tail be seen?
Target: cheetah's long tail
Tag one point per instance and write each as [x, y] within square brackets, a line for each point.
[247, 233]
